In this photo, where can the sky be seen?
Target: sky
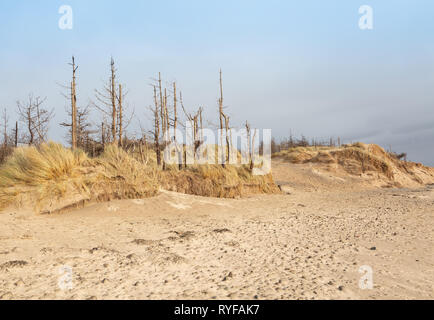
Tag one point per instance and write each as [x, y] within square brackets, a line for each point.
[300, 67]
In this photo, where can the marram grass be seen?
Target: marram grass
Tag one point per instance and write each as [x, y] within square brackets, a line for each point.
[51, 177]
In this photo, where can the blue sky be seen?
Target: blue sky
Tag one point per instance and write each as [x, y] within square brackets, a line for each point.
[300, 66]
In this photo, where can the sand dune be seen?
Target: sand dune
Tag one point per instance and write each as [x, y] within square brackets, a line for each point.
[306, 243]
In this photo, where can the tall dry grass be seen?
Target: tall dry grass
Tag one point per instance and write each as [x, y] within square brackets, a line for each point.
[355, 158]
[51, 178]
[216, 181]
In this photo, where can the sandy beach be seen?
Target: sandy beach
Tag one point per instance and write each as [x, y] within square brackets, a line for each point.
[307, 243]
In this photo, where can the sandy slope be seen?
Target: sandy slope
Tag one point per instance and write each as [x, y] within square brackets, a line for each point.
[303, 245]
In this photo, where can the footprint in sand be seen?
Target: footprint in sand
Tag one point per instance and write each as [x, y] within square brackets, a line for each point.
[13, 264]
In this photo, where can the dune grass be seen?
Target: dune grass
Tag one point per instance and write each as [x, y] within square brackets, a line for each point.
[216, 181]
[46, 174]
[51, 177]
[34, 166]
[355, 158]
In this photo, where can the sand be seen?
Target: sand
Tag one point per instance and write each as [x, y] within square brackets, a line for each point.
[307, 243]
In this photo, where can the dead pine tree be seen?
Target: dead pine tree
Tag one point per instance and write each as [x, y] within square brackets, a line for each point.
[16, 134]
[198, 130]
[72, 112]
[113, 97]
[108, 99]
[143, 148]
[156, 114]
[73, 106]
[175, 114]
[36, 118]
[197, 134]
[250, 146]
[84, 129]
[221, 114]
[25, 112]
[120, 112]
[166, 118]
[227, 129]
[163, 114]
[103, 134]
[43, 118]
[201, 126]
[252, 152]
[123, 120]
[175, 126]
[184, 148]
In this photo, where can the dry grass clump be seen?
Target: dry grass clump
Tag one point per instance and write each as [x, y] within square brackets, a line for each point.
[34, 166]
[123, 176]
[33, 174]
[301, 154]
[386, 168]
[355, 159]
[216, 181]
[52, 178]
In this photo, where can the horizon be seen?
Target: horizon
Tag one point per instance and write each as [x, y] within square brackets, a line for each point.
[306, 69]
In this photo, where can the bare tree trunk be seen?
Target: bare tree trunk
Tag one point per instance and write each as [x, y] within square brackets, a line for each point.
[252, 152]
[221, 111]
[166, 117]
[120, 115]
[175, 125]
[113, 99]
[175, 115]
[73, 120]
[227, 137]
[198, 126]
[157, 128]
[250, 145]
[43, 118]
[102, 134]
[73, 106]
[201, 126]
[141, 143]
[29, 126]
[184, 146]
[161, 102]
[16, 134]
[196, 144]
[166, 125]
[162, 116]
